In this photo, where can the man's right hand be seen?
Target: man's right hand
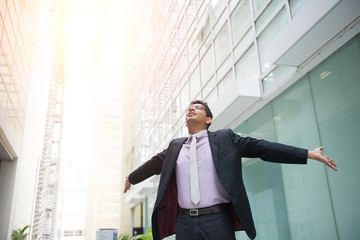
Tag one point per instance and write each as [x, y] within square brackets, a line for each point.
[127, 184]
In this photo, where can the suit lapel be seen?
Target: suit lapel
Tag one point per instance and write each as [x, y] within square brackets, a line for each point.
[169, 166]
[175, 153]
[213, 140]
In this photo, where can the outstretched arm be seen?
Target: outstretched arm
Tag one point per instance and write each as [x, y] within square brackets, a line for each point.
[275, 152]
[148, 169]
[318, 155]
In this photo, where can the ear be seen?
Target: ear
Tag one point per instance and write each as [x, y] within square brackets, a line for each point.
[208, 120]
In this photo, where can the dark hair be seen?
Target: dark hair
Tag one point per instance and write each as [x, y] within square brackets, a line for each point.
[207, 109]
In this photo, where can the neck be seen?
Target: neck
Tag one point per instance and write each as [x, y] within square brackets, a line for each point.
[194, 130]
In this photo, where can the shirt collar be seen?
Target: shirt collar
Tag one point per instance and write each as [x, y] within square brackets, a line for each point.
[200, 134]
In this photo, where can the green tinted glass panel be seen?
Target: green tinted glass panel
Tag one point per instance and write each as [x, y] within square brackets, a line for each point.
[308, 201]
[264, 181]
[322, 108]
[336, 88]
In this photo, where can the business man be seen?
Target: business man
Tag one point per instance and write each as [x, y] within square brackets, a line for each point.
[201, 193]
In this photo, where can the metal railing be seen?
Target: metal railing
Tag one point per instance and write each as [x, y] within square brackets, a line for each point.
[44, 220]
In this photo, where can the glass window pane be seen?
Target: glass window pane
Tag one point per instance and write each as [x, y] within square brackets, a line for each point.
[222, 44]
[183, 62]
[278, 74]
[217, 6]
[296, 5]
[264, 181]
[6, 50]
[259, 5]
[207, 65]
[240, 20]
[336, 86]
[279, 194]
[185, 97]
[3, 94]
[205, 45]
[175, 108]
[211, 98]
[226, 83]
[183, 80]
[174, 78]
[267, 36]
[247, 68]
[192, 46]
[210, 85]
[195, 84]
[190, 14]
[295, 124]
[322, 108]
[204, 26]
[269, 11]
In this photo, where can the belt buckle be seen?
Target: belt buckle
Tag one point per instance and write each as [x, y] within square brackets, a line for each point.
[194, 212]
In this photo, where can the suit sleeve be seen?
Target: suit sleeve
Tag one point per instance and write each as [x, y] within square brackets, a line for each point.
[269, 151]
[148, 169]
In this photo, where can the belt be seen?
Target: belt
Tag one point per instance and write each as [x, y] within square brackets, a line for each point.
[208, 210]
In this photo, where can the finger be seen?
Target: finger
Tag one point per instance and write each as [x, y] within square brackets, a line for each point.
[126, 188]
[334, 168]
[324, 158]
[332, 164]
[329, 160]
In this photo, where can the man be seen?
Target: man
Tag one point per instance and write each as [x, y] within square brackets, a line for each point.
[201, 194]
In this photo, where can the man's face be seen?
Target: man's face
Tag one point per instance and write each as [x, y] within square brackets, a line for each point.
[196, 114]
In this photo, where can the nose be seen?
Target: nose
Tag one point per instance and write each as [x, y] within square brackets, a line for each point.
[191, 109]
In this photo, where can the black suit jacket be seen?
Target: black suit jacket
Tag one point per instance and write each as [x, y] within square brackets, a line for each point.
[227, 150]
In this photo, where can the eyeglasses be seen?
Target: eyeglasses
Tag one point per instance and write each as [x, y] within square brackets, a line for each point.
[196, 106]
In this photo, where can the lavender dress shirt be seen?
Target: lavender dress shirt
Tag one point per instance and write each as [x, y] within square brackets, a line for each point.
[212, 191]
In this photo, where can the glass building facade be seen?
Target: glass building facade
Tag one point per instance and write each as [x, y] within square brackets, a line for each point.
[27, 47]
[312, 202]
[17, 22]
[266, 69]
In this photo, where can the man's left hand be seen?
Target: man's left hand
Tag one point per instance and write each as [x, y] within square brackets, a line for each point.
[317, 154]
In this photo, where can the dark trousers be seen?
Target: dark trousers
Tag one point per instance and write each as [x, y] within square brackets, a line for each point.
[214, 226]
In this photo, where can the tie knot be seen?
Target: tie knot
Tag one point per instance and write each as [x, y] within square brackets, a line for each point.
[193, 138]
